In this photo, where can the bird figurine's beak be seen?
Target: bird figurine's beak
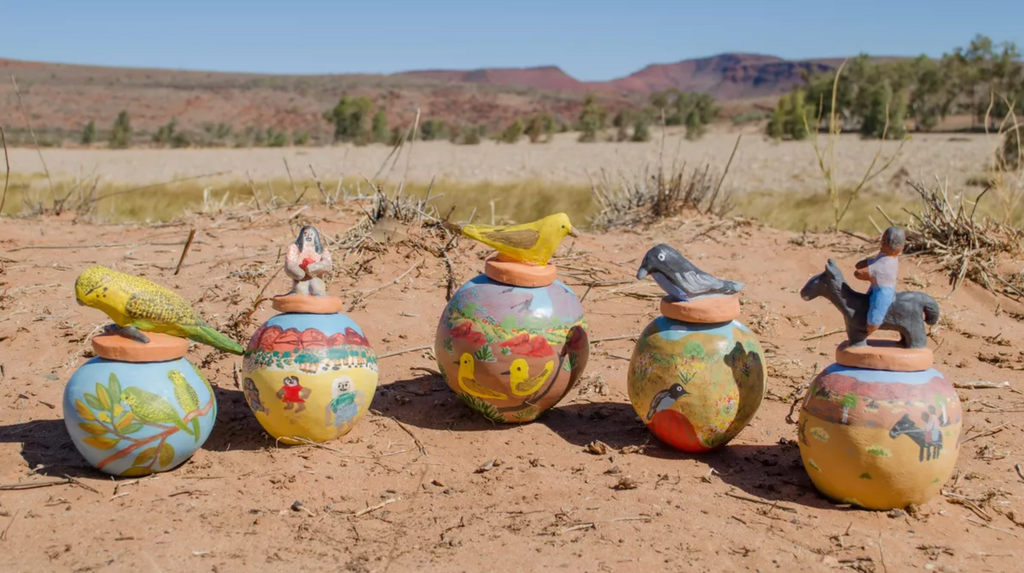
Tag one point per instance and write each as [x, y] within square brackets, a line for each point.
[506, 373]
[642, 273]
[573, 232]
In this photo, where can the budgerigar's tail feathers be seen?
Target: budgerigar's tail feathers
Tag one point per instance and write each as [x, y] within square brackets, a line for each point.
[206, 334]
[195, 428]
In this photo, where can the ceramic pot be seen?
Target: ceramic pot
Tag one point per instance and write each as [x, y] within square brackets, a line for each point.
[879, 439]
[309, 376]
[137, 418]
[511, 353]
[696, 385]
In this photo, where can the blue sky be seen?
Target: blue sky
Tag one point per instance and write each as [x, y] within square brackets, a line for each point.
[595, 40]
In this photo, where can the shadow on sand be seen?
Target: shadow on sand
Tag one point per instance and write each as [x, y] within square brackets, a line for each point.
[770, 472]
[47, 442]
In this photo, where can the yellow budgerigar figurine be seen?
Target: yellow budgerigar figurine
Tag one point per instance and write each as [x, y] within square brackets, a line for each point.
[137, 305]
[532, 243]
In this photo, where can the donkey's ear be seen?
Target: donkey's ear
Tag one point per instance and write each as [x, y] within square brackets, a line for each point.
[830, 267]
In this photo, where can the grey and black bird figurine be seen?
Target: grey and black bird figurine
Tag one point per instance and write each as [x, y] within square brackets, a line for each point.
[679, 277]
[666, 399]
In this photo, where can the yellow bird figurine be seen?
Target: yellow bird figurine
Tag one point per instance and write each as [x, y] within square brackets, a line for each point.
[136, 304]
[519, 375]
[469, 384]
[531, 243]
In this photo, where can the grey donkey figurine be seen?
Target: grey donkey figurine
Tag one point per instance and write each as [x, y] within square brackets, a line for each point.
[307, 260]
[907, 315]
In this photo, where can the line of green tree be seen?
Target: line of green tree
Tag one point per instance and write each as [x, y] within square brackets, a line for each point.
[984, 80]
[356, 120]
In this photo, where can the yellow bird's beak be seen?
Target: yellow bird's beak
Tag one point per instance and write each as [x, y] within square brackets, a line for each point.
[573, 232]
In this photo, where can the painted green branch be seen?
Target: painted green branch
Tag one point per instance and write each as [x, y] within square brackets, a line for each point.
[161, 436]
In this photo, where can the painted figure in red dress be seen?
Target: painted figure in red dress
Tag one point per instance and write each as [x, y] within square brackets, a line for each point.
[293, 394]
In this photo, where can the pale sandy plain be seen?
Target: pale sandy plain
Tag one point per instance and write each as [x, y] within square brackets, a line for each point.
[760, 165]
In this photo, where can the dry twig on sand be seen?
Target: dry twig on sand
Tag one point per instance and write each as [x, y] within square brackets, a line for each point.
[948, 232]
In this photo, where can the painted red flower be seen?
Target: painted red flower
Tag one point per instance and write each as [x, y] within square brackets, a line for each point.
[526, 345]
[465, 331]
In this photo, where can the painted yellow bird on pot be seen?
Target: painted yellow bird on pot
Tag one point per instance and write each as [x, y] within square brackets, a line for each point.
[469, 384]
[522, 383]
[137, 305]
[533, 243]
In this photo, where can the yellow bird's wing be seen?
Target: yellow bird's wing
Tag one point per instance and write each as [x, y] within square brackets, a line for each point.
[151, 303]
[514, 241]
[518, 239]
[470, 385]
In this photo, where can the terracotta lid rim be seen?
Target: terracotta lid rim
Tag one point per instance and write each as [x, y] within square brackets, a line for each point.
[702, 310]
[885, 355]
[307, 304]
[160, 348]
[524, 275]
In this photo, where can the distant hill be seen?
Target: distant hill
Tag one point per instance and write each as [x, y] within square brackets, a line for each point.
[63, 98]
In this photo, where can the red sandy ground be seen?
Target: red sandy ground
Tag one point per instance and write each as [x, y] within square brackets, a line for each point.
[549, 505]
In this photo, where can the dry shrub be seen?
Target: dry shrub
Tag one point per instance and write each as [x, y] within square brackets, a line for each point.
[650, 197]
[964, 246]
[1011, 152]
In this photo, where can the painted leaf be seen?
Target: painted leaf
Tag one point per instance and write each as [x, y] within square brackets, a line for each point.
[84, 410]
[102, 442]
[145, 456]
[94, 429]
[125, 420]
[103, 396]
[136, 472]
[92, 401]
[485, 354]
[166, 454]
[115, 388]
[131, 428]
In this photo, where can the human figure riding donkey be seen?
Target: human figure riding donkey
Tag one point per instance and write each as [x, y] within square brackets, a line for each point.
[881, 308]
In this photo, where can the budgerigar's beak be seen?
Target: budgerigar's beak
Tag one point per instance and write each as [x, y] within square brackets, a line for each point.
[573, 232]
[79, 301]
[642, 273]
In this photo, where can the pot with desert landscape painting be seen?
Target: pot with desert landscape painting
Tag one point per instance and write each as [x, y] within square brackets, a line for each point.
[309, 376]
[510, 352]
[880, 439]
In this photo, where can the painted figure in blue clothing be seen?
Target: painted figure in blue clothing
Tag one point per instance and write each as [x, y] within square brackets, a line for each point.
[342, 408]
[882, 271]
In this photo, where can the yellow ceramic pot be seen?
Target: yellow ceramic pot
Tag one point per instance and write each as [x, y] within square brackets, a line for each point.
[880, 439]
[309, 376]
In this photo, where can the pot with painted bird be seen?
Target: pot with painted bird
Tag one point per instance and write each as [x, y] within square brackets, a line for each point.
[513, 341]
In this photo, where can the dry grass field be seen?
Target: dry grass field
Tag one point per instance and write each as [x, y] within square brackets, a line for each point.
[778, 183]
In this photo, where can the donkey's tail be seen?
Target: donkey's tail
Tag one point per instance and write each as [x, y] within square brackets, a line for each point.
[931, 309]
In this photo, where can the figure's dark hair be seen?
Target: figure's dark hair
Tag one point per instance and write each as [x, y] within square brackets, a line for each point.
[895, 237]
[316, 239]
